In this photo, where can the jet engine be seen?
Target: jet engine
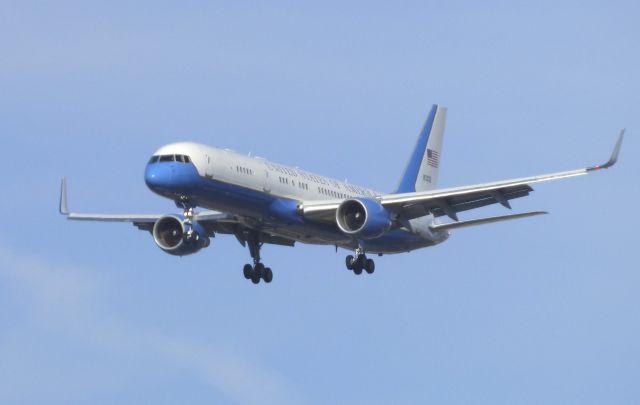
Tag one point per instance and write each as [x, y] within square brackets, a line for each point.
[178, 238]
[363, 218]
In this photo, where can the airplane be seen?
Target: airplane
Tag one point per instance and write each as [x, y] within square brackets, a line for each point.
[262, 202]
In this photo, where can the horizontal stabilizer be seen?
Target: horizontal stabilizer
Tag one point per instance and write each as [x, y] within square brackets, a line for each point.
[482, 221]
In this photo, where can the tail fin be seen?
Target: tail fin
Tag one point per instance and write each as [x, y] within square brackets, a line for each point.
[421, 173]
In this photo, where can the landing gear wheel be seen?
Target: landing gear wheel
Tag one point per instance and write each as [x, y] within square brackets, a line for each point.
[360, 262]
[247, 271]
[349, 262]
[370, 266]
[258, 271]
[267, 275]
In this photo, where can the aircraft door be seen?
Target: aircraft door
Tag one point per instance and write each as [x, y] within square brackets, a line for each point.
[209, 163]
[267, 183]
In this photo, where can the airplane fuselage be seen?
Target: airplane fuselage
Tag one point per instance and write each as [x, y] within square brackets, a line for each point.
[267, 196]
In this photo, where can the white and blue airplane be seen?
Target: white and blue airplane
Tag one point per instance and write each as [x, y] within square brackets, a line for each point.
[261, 202]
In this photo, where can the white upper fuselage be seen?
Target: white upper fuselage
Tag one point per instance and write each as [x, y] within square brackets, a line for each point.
[262, 175]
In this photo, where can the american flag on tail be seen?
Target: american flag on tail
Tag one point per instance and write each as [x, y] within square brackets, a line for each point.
[432, 158]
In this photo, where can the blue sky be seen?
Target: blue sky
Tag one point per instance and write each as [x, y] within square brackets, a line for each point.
[542, 310]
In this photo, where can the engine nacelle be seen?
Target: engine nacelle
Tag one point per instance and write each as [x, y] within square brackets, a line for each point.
[173, 236]
[363, 218]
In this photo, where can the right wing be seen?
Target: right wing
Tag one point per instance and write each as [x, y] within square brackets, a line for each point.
[212, 221]
[136, 219]
[142, 221]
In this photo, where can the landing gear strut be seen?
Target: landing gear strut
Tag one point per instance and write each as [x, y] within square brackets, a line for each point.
[360, 262]
[256, 272]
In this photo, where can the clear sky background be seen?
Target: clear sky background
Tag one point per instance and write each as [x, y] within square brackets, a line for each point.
[541, 310]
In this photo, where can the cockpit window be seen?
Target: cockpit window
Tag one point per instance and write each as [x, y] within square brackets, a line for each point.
[170, 158]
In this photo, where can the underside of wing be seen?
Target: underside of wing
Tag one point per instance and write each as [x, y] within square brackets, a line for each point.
[463, 202]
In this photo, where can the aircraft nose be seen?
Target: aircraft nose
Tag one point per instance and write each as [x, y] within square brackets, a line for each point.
[158, 176]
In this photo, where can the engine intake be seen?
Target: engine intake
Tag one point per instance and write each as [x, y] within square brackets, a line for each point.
[173, 236]
[363, 218]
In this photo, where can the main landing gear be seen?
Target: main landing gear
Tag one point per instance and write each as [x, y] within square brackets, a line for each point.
[360, 262]
[258, 271]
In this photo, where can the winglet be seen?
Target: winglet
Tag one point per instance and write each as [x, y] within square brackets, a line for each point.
[64, 210]
[614, 155]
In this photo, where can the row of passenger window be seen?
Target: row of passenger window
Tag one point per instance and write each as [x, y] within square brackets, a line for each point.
[321, 190]
[301, 185]
[244, 170]
[332, 193]
[284, 180]
[170, 158]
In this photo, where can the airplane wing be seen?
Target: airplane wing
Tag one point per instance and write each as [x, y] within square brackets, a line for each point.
[450, 201]
[212, 221]
[142, 221]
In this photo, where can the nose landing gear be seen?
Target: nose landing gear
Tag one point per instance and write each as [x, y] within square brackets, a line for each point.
[360, 262]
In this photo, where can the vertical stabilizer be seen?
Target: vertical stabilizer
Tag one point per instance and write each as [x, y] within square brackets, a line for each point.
[421, 173]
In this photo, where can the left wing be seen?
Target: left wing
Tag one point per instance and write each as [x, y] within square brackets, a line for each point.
[450, 201]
